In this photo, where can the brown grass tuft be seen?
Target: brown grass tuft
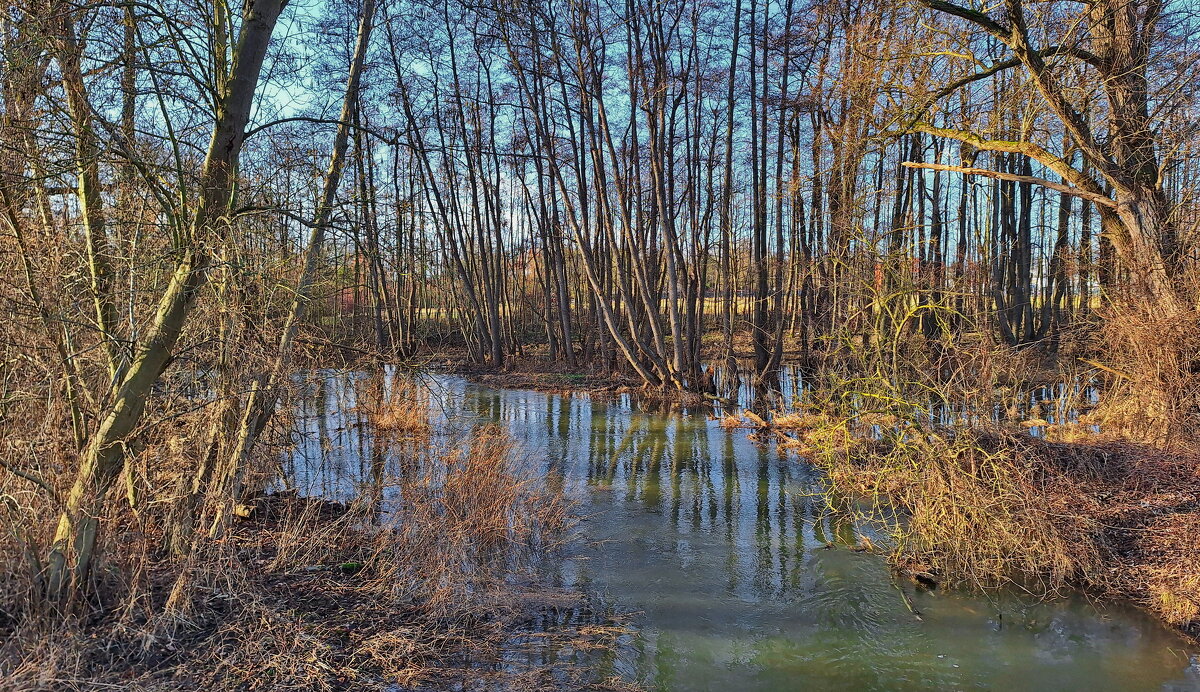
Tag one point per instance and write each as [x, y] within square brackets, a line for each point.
[988, 507]
[402, 411]
[305, 593]
[1153, 382]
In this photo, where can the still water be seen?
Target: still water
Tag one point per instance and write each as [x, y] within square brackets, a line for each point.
[719, 548]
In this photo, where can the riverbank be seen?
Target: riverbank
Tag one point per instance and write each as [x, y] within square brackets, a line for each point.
[985, 507]
[545, 375]
[307, 593]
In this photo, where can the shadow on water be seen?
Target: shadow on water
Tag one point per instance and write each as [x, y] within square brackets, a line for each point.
[720, 550]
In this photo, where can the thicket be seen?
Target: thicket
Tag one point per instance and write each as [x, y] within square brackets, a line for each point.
[952, 200]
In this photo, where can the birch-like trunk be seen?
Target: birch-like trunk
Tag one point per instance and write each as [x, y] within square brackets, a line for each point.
[103, 457]
[264, 393]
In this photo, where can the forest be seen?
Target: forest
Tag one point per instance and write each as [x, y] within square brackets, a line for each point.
[940, 255]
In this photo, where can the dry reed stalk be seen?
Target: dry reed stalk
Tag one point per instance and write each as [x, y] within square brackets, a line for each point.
[990, 507]
[303, 593]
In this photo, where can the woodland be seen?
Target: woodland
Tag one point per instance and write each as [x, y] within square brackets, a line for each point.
[927, 207]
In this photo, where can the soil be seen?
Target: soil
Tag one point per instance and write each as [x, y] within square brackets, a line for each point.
[547, 376]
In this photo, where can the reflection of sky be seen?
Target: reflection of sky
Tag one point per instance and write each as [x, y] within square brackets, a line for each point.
[719, 545]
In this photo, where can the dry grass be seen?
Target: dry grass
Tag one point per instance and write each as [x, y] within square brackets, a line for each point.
[465, 520]
[990, 507]
[305, 593]
[404, 410]
[1153, 377]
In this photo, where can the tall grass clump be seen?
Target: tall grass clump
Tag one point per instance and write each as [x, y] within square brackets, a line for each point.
[980, 507]
[424, 572]
[467, 521]
[402, 409]
[1152, 391]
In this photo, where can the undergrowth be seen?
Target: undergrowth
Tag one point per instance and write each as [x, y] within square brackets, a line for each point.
[418, 581]
[991, 506]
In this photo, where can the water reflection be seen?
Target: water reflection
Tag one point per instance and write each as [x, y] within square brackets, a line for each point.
[721, 547]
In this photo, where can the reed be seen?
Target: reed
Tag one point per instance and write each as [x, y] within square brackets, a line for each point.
[300, 592]
[992, 506]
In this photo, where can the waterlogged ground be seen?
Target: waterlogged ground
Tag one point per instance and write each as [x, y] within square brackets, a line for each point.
[719, 550]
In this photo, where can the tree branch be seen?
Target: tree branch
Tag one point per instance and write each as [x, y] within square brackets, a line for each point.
[1099, 199]
[1053, 51]
[1016, 37]
[1043, 156]
[976, 17]
[1048, 86]
[36, 480]
[320, 121]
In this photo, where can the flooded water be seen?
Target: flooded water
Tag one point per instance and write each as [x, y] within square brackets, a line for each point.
[719, 549]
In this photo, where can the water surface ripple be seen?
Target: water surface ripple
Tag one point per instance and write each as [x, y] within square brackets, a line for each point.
[719, 547]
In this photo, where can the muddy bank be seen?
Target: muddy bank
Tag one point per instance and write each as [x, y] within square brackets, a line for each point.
[549, 376]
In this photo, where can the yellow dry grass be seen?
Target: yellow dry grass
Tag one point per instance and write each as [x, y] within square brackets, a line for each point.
[988, 507]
